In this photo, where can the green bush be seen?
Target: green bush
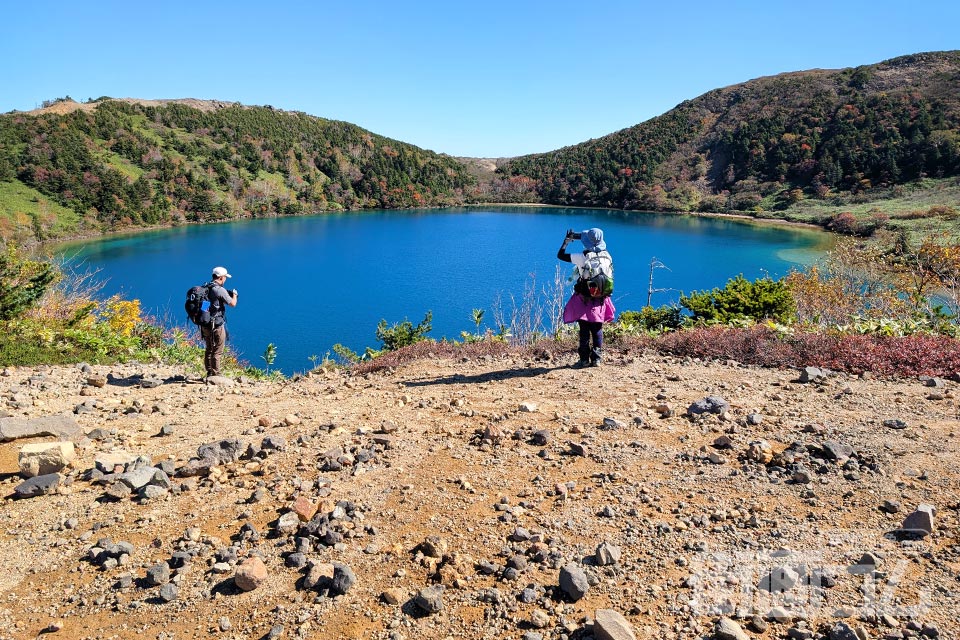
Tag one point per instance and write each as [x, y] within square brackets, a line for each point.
[403, 334]
[652, 320]
[741, 300]
[22, 282]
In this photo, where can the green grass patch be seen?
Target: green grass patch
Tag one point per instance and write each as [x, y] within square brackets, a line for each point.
[21, 205]
[129, 170]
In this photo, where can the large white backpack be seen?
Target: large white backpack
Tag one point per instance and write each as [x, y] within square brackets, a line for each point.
[595, 277]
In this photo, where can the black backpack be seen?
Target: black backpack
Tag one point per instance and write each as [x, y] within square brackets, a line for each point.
[197, 305]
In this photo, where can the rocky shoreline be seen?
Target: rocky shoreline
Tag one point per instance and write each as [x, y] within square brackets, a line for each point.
[493, 497]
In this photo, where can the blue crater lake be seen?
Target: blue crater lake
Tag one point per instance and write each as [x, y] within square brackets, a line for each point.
[306, 283]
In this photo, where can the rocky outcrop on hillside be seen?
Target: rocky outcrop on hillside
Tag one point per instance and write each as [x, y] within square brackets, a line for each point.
[492, 497]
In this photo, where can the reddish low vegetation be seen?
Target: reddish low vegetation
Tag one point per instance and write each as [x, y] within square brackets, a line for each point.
[904, 356]
[896, 356]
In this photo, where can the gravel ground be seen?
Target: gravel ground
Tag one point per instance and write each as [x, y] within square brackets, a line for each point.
[496, 497]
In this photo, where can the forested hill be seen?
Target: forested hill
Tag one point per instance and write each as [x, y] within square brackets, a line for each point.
[782, 138]
[109, 164]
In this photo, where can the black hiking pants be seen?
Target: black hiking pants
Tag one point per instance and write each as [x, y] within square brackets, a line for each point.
[590, 331]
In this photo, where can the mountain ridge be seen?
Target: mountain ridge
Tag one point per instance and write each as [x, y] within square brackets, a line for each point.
[820, 136]
[796, 130]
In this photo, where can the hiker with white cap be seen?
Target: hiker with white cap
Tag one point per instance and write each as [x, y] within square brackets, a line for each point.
[215, 333]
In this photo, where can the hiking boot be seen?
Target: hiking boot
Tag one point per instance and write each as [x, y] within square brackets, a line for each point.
[595, 357]
[581, 363]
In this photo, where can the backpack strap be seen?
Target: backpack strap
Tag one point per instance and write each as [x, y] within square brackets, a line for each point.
[216, 305]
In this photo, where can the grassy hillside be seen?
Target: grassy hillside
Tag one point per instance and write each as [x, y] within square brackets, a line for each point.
[115, 164]
[828, 137]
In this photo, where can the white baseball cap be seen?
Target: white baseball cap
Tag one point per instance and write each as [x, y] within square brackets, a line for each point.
[219, 272]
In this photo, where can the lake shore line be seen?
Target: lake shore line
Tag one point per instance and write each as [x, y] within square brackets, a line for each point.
[60, 244]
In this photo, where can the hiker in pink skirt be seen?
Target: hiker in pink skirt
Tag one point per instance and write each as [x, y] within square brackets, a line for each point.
[590, 305]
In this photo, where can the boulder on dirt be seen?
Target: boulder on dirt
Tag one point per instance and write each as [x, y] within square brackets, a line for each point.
[42, 458]
[58, 426]
[38, 486]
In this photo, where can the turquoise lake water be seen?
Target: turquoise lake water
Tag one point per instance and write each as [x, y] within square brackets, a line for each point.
[306, 283]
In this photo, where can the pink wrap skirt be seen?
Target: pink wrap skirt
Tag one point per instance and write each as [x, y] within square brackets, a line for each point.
[581, 307]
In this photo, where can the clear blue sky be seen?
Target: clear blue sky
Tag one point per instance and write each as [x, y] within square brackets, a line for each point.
[467, 78]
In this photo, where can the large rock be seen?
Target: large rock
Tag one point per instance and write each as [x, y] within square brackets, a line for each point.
[38, 486]
[57, 426]
[42, 458]
[610, 625]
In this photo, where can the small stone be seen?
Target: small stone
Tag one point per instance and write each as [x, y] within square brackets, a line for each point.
[710, 404]
[843, 631]
[343, 578]
[169, 592]
[895, 424]
[528, 407]
[250, 574]
[920, 522]
[393, 596]
[304, 508]
[812, 374]
[780, 579]
[612, 423]
[779, 614]
[611, 625]
[291, 420]
[760, 451]
[288, 523]
[573, 581]
[607, 554]
[158, 574]
[727, 629]
[429, 599]
[723, 442]
[97, 381]
[577, 449]
[758, 624]
[540, 619]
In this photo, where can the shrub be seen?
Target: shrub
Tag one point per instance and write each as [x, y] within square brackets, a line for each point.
[403, 334]
[22, 282]
[650, 319]
[740, 300]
